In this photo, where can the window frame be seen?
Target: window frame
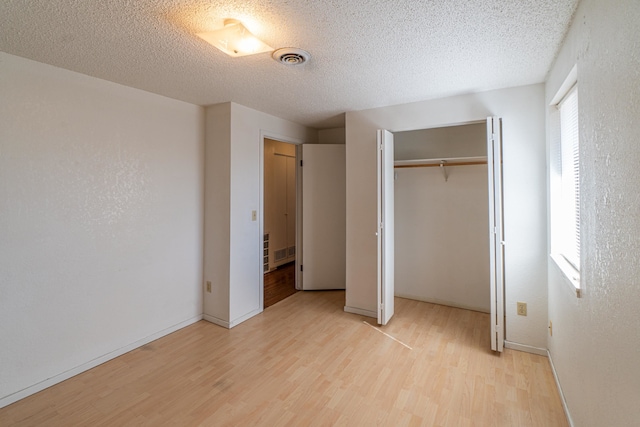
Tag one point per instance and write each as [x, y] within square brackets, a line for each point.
[569, 270]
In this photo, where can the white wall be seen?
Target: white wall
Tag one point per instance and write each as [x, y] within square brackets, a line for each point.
[522, 110]
[441, 227]
[595, 345]
[101, 199]
[442, 235]
[240, 277]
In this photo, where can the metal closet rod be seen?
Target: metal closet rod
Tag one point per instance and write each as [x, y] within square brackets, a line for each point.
[442, 163]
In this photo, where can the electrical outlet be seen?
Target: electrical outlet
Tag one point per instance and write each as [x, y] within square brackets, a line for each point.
[522, 308]
[209, 287]
[550, 328]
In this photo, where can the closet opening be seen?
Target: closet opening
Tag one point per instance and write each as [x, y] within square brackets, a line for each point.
[442, 216]
[446, 219]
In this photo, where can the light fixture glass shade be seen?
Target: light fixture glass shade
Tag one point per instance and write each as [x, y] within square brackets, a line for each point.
[235, 40]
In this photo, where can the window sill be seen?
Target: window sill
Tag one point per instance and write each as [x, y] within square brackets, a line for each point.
[571, 275]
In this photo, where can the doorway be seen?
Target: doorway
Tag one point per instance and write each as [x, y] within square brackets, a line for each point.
[279, 220]
[311, 197]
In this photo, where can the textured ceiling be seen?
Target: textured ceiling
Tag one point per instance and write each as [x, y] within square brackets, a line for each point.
[365, 53]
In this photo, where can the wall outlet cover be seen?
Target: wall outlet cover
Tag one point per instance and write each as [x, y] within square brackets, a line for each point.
[522, 308]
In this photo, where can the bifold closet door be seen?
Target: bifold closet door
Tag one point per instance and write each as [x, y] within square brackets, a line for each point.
[385, 227]
[496, 230]
[324, 217]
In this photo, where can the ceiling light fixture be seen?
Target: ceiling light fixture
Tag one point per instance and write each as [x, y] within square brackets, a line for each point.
[235, 40]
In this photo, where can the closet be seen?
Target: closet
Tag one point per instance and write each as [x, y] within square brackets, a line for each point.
[442, 251]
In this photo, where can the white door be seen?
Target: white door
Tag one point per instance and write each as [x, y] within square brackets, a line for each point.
[385, 232]
[496, 230]
[324, 222]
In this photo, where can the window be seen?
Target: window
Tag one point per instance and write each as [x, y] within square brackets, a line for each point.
[565, 183]
[569, 240]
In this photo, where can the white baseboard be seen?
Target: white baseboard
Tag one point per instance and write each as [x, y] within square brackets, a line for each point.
[14, 397]
[441, 302]
[361, 312]
[564, 402]
[234, 322]
[525, 348]
[216, 321]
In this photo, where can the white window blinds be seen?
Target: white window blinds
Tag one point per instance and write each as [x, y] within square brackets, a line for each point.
[569, 243]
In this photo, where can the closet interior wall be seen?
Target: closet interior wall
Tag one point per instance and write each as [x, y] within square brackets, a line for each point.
[441, 226]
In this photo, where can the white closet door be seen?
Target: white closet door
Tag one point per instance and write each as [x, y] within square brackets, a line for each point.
[496, 230]
[385, 232]
[323, 216]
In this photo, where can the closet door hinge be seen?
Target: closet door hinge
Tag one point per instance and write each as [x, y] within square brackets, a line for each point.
[301, 267]
[301, 163]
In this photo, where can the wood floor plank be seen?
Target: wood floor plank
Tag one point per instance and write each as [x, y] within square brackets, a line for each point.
[307, 362]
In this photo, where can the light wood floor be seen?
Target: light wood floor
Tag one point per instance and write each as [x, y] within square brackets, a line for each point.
[307, 362]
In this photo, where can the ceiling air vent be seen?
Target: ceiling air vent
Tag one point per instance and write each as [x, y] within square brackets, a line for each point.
[291, 56]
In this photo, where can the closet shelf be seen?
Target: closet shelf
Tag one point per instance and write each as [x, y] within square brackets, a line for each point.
[444, 161]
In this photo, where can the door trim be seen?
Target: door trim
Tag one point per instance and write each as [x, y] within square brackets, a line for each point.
[259, 245]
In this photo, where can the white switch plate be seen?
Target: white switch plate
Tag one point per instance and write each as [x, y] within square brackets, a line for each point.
[254, 215]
